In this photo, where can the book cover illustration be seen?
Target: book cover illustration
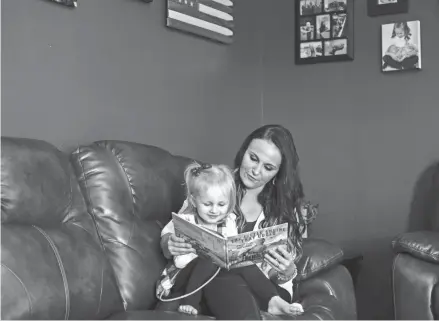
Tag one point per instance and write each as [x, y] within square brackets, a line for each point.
[233, 251]
[249, 248]
[206, 242]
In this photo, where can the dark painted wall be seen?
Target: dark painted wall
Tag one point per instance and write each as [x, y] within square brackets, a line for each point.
[363, 137]
[110, 69]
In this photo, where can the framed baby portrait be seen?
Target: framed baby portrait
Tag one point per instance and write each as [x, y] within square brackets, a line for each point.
[401, 46]
[384, 7]
[324, 31]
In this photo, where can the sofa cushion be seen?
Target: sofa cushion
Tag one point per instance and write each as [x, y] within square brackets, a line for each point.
[157, 315]
[423, 245]
[55, 274]
[128, 187]
[53, 266]
[317, 255]
[414, 284]
[37, 185]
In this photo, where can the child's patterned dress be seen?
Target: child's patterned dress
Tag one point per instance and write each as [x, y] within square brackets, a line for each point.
[167, 279]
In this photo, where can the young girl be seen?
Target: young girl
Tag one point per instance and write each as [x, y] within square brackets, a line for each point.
[211, 198]
[402, 53]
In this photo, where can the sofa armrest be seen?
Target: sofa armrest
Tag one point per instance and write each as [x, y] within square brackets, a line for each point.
[423, 245]
[324, 286]
[318, 255]
[327, 296]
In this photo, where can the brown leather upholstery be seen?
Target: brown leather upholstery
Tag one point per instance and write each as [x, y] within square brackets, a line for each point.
[53, 266]
[91, 250]
[415, 273]
[324, 255]
[128, 187]
[422, 245]
[415, 276]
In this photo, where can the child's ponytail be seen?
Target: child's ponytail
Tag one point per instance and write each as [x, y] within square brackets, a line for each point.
[199, 176]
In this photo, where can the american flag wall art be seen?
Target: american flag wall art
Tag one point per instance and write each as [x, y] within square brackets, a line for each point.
[208, 18]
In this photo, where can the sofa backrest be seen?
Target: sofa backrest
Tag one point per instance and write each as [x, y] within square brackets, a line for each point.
[424, 206]
[52, 263]
[130, 190]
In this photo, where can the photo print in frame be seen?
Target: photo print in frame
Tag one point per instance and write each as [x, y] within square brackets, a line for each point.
[401, 46]
[324, 31]
[211, 19]
[386, 7]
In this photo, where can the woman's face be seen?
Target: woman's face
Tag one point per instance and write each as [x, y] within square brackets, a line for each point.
[261, 162]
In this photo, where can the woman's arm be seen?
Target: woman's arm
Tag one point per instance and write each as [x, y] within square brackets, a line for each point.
[278, 278]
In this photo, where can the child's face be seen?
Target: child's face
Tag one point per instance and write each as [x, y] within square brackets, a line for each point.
[212, 205]
[399, 32]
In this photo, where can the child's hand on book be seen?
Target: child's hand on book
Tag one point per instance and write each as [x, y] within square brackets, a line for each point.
[178, 246]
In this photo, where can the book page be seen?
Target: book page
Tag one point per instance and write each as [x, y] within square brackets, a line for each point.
[207, 243]
[249, 248]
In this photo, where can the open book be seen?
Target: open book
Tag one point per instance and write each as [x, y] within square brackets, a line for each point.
[233, 251]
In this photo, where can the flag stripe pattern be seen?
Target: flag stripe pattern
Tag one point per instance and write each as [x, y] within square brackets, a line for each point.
[218, 6]
[227, 3]
[208, 18]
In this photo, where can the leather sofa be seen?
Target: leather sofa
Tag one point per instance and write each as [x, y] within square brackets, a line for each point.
[415, 276]
[415, 273]
[80, 235]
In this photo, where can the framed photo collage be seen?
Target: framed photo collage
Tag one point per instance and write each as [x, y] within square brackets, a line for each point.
[324, 31]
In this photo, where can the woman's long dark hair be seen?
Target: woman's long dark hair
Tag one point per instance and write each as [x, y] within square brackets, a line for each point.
[282, 197]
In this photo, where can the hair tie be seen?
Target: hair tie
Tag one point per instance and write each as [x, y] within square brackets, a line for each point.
[197, 170]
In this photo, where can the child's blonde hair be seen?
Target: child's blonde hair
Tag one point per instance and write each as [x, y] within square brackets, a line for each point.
[405, 27]
[200, 177]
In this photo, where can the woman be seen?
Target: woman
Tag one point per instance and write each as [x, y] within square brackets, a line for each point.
[269, 192]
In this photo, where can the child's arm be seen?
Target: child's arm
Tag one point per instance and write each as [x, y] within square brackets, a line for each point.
[165, 234]
[168, 229]
[230, 228]
[181, 261]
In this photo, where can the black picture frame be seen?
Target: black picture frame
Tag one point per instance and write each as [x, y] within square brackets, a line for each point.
[324, 31]
[374, 8]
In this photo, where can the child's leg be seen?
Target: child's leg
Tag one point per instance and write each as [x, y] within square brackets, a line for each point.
[203, 269]
[410, 62]
[260, 285]
[389, 61]
[267, 292]
[182, 278]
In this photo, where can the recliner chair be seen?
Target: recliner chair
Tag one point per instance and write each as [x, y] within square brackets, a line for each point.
[415, 272]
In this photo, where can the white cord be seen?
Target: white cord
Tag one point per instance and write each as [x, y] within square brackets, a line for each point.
[194, 291]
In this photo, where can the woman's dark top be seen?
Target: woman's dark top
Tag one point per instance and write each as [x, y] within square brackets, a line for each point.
[248, 227]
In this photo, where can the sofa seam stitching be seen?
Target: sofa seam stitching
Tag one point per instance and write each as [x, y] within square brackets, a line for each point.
[320, 267]
[61, 268]
[393, 284]
[132, 194]
[93, 216]
[407, 247]
[24, 287]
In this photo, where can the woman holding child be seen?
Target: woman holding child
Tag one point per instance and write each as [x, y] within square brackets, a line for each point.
[269, 192]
